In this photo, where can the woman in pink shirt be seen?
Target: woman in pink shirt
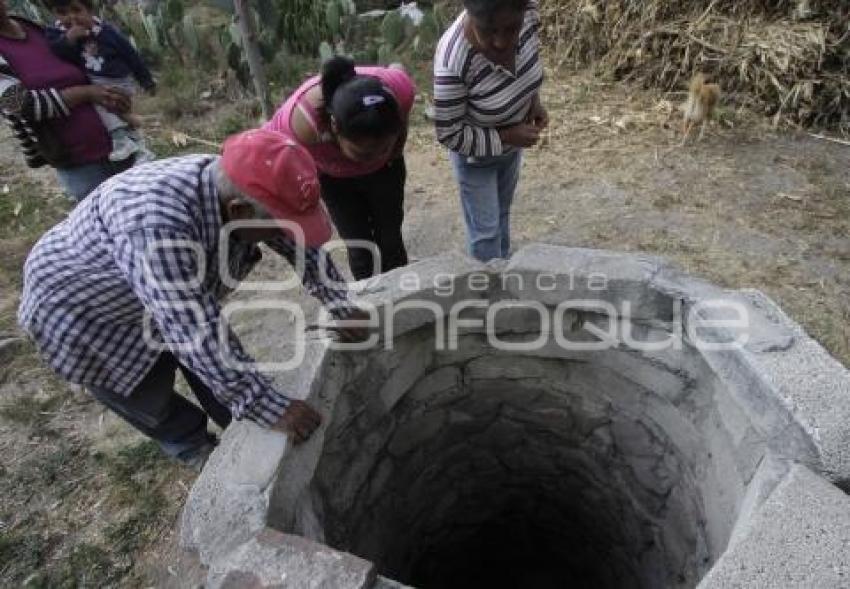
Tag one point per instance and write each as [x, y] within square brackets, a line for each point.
[354, 121]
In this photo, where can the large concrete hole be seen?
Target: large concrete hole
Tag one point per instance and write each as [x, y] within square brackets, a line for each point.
[630, 465]
[476, 468]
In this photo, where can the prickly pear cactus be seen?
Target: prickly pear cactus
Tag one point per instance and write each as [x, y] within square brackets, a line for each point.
[393, 29]
[154, 31]
[25, 8]
[191, 36]
[174, 11]
[333, 16]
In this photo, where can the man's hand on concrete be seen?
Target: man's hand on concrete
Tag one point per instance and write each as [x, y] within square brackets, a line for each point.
[299, 421]
[353, 335]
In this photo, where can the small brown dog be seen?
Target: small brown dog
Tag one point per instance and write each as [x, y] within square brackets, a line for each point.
[702, 100]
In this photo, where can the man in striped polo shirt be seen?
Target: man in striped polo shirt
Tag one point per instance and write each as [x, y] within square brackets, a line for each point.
[126, 291]
[487, 78]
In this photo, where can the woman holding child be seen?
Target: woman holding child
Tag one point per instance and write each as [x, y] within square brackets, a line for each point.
[50, 104]
[354, 122]
[487, 78]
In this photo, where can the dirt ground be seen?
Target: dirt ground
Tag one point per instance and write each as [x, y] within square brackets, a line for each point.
[87, 501]
[745, 208]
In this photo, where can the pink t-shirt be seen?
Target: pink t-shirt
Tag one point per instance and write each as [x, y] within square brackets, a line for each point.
[327, 155]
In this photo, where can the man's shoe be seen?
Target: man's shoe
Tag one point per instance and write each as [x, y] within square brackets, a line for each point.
[197, 458]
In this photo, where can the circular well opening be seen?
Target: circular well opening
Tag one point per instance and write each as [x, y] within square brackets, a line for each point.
[507, 472]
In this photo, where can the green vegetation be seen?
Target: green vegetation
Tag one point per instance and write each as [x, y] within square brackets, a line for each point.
[293, 36]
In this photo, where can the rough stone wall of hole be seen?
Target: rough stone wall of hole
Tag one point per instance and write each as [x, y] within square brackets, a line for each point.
[535, 471]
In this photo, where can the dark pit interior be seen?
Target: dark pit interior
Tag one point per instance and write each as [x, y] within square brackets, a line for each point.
[500, 472]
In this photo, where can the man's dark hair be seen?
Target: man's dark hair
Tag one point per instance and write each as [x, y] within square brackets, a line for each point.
[484, 9]
[360, 105]
[54, 4]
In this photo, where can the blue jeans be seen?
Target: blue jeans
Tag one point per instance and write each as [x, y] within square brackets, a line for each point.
[80, 180]
[487, 187]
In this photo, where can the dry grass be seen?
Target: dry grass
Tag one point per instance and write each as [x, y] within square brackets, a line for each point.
[790, 60]
[83, 495]
[794, 239]
[749, 207]
[75, 513]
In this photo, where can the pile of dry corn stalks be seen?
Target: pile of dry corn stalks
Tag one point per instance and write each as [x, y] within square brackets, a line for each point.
[787, 58]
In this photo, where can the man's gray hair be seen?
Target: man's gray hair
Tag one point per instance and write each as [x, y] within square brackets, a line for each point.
[228, 192]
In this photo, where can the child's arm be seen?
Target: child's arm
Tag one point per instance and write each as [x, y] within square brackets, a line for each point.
[131, 57]
[66, 44]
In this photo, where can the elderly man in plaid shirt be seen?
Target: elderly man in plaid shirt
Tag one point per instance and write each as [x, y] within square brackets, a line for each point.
[146, 246]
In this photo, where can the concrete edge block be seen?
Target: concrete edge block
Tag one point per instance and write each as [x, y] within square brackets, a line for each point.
[272, 559]
[573, 274]
[286, 491]
[229, 500]
[812, 384]
[419, 291]
[770, 472]
[778, 365]
[797, 539]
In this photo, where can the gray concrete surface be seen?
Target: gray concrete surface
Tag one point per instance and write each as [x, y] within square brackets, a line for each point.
[661, 459]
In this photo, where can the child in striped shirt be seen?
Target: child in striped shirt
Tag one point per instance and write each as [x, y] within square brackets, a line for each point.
[487, 78]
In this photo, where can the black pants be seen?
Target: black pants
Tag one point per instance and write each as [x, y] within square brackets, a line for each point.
[370, 208]
[156, 410]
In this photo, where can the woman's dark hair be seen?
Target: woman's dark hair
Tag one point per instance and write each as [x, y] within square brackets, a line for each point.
[361, 106]
[485, 9]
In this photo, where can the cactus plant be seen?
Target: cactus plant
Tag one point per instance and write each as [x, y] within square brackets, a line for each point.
[173, 12]
[191, 36]
[393, 29]
[176, 30]
[26, 8]
[325, 51]
[333, 15]
[387, 55]
[153, 29]
[235, 35]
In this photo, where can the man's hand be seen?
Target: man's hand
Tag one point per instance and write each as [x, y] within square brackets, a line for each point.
[353, 335]
[77, 32]
[299, 421]
[522, 135]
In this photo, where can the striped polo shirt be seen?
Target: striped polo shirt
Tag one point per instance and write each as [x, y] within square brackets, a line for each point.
[473, 97]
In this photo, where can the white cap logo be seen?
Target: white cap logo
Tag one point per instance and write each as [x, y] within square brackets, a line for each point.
[373, 99]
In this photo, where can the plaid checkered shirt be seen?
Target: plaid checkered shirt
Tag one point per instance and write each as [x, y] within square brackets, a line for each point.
[90, 282]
